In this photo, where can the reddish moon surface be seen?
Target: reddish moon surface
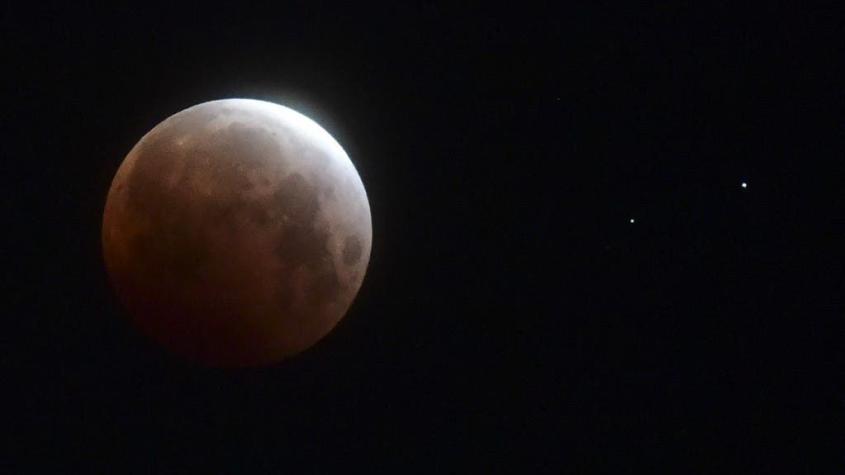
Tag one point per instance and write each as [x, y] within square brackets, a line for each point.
[237, 233]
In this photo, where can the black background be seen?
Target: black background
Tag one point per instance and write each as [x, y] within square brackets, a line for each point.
[512, 317]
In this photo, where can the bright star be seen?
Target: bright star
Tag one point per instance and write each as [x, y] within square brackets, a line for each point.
[631, 220]
[744, 185]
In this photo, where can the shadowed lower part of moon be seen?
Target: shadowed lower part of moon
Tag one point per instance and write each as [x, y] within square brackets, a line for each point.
[237, 233]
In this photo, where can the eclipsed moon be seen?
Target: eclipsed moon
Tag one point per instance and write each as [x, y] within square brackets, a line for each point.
[237, 233]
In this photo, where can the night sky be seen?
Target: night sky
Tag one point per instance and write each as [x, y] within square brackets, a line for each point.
[513, 317]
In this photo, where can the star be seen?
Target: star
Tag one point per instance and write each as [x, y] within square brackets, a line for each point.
[632, 220]
[744, 185]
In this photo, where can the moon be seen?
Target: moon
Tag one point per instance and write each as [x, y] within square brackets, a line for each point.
[237, 233]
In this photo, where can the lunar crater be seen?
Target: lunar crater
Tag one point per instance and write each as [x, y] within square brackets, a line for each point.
[351, 250]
